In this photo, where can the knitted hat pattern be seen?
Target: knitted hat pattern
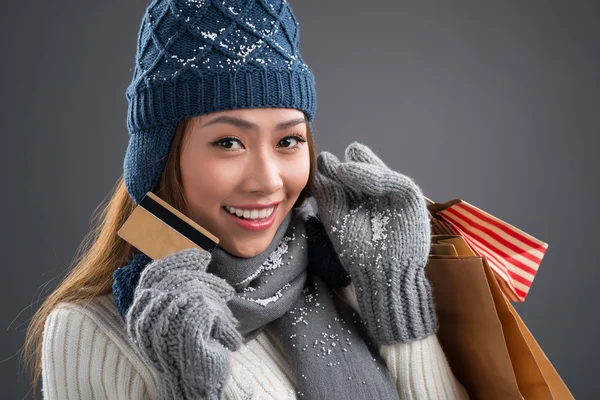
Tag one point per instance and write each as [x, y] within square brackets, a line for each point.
[200, 56]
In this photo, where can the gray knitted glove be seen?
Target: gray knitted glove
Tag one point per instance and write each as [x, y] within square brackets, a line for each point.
[180, 321]
[378, 223]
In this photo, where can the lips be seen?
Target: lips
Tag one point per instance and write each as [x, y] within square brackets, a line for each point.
[254, 225]
[252, 214]
[255, 206]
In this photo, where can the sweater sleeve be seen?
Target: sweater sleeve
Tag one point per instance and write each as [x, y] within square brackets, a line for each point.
[419, 368]
[80, 360]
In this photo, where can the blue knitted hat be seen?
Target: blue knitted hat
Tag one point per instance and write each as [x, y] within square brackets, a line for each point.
[200, 56]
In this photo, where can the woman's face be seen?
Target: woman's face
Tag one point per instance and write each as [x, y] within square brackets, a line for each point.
[249, 159]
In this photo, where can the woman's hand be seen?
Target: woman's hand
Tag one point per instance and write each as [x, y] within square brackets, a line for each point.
[378, 222]
[180, 322]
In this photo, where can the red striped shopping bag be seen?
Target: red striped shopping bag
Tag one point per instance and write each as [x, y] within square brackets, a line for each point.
[513, 255]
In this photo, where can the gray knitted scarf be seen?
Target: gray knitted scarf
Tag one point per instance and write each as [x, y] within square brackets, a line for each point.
[325, 340]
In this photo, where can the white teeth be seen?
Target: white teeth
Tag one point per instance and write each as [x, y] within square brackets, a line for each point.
[251, 214]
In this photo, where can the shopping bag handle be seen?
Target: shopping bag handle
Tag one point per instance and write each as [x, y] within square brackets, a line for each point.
[434, 208]
[431, 209]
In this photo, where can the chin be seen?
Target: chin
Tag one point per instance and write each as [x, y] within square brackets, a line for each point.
[252, 245]
[247, 251]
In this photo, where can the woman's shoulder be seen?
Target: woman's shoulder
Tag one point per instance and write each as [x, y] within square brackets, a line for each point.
[92, 330]
[97, 313]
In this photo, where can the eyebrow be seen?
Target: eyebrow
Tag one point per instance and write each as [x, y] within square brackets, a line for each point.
[247, 125]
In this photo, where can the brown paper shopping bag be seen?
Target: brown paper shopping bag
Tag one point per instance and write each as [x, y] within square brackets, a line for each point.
[536, 377]
[470, 331]
[489, 348]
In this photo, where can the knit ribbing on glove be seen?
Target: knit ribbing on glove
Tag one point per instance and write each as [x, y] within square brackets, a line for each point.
[180, 322]
[393, 292]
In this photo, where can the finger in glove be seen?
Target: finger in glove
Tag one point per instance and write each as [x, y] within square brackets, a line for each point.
[376, 181]
[358, 152]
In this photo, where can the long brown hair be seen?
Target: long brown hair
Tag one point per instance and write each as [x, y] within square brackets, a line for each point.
[102, 251]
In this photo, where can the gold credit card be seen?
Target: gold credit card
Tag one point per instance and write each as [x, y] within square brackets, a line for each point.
[157, 229]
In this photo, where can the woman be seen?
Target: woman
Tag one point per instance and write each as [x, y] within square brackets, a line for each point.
[292, 303]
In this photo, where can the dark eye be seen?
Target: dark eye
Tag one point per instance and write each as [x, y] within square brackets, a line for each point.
[287, 140]
[226, 143]
[292, 138]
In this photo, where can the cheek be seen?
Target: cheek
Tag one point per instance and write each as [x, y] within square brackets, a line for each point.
[206, 182]
[296, 175]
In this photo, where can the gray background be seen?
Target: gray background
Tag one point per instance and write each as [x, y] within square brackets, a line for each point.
[494, 102]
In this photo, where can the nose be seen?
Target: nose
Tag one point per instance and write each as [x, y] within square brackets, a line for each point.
[263, 173]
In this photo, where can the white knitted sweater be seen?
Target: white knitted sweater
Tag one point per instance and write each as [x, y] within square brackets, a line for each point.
[86, 354]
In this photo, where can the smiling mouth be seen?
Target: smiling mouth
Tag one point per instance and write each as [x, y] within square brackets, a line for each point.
[258, 224]
[254, 215]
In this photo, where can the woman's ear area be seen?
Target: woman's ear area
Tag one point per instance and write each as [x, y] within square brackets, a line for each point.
[188, 126]
[307, 191]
